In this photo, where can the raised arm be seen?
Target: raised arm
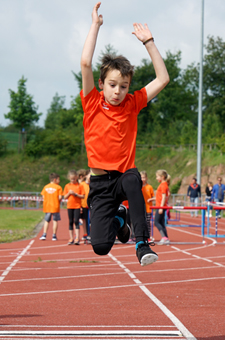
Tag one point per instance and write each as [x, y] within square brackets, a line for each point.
[88, 51]
[162, 78]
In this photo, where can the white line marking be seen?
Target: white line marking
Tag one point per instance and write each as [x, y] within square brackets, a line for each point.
[198, 257]
[113, 287]
[184, 331]
[93, 333]
[5, 273]
[113, 273]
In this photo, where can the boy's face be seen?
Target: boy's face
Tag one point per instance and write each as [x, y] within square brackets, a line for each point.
[57, 180]
[144, 179]
[73, 178]
[115, 87]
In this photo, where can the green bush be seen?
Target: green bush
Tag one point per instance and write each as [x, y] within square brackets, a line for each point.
[63, 143]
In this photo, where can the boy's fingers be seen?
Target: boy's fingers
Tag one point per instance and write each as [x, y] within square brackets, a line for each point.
[139, 27]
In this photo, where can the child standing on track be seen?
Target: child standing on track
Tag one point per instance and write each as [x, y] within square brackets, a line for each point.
[110, 129]
[74, 193]
[161, 197]
[168, 179]
[52, 195]
[84, 179]
[148, 194]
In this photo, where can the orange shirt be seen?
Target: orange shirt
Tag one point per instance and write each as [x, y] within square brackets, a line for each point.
[110, 131]
[148, 192]
[51, 193]
[126, 204]
[86, 188]
[73, 202]
[162, 189]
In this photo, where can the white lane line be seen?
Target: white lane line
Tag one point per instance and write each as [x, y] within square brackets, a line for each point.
[108, 274]
[113, 287]
[184, 331]
[5, 273]
[198, 257]
[93, 333]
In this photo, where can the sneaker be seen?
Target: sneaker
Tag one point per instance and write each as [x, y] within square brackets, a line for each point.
[164, 241]
[71, 241]
[84, 238]
[144, 254]
[77, 241]
[54, 238]
[43, 237]
[124, 232]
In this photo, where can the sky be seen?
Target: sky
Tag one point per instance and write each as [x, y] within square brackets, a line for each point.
[42, 40]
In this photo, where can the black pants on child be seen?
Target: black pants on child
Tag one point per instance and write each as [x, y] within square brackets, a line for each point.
[160, 223]
[74, 215]
[106, 194]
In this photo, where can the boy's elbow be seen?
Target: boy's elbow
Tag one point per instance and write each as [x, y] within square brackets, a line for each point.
[166, 80]
[84, 63]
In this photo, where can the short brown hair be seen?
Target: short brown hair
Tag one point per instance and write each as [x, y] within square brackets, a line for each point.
[71, 173]
[120, 63]
[53, 176]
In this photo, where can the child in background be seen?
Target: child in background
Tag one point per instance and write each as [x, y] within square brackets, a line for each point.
[168, 197]
[84, 179]
[81, 174]
[74, 193]
[161, 195]
[110, 130]
[52, 195]
[148, 194]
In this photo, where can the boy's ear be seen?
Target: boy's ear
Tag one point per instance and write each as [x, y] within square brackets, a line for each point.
[100, 84]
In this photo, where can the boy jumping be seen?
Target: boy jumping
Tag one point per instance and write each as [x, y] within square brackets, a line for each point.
[110, 129]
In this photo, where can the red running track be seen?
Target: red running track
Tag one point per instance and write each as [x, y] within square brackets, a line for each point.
[50, 290]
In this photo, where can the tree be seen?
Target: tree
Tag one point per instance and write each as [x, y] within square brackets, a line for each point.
[57, 104]
[214, 79]
[23, 111]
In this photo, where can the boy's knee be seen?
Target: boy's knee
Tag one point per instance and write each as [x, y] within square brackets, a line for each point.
[131, 181]
[102, 249]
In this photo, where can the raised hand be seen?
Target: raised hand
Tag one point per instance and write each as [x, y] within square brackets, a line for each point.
[97, 18]
[142, 32]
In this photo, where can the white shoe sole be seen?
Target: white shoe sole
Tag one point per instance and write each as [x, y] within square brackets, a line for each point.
[148, 259]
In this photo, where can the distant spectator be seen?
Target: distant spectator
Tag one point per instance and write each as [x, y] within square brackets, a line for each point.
[148, 194]
[52, 195]
[168, 197]
[218, 193]
[161, 195]
[208, 191]
[84, 179]
[194, 192]
[73, 192]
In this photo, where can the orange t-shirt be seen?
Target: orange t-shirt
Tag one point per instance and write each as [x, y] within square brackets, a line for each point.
[162, 189]
[148, 192]
[51, 193]
[110, 131]
[86, 188]
[73, 202]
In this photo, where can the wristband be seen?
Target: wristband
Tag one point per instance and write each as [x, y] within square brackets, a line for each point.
[148, 40]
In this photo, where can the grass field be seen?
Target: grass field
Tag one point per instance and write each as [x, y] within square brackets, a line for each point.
[18, 224]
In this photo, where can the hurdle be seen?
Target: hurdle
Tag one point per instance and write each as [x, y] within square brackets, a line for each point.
[216, 206]
[182, 208]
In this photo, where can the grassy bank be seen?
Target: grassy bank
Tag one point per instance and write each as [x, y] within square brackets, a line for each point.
[18, 173]
[18, 224]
